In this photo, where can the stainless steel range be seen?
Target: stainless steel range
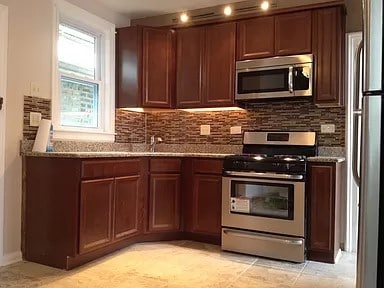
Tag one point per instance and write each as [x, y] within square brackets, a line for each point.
[263, 204]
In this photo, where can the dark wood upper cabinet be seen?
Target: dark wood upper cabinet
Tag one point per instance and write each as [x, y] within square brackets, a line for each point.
[324, 194]
[220, 65]
[328, 51]
[205, 66]
[128, 207]
[293, 33]
[189, 68]
[145, 67]
[255, 38]
[95, 214]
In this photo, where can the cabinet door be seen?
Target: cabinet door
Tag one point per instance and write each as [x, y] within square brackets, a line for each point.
[95, 214]
[158, 67]
[322, 212]
[328, 44]
[189, 68]
[164, 207]
[293, 33]
[207, 204]
[128, 207]
[220, 65]
[255, 38]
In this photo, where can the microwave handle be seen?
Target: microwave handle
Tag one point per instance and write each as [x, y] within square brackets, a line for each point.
[290, 79]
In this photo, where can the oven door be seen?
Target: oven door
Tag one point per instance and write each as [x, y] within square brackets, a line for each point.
[264, 205]
[274, 82]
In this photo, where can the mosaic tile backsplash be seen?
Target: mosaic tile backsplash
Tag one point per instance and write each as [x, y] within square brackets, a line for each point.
[180, 127]
[34, 104]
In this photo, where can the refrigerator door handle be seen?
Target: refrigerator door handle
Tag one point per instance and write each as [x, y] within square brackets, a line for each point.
[357, 112]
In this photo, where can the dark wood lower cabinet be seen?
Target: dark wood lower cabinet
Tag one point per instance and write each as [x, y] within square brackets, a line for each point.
[95, 214]
[164, 208]
[128, 207]
[207, 204]
[323, 211]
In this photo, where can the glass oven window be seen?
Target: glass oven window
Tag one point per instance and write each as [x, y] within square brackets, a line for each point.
[262, 199]
[274, 80]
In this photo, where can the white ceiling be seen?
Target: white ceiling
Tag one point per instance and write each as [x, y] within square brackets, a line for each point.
[135, 9]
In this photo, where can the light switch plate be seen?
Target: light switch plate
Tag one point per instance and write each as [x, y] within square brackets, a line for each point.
[205, 129]
[328, 128]
[34, 119]
[235, 130]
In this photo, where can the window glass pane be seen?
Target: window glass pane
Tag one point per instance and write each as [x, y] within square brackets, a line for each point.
[79, 103]
[77, 52]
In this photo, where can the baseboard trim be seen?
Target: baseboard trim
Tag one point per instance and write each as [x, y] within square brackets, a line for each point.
[11, 258]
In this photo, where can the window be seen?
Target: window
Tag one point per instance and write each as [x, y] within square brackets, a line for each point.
[83, 100]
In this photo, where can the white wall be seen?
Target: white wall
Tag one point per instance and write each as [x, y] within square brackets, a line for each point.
[29, 59]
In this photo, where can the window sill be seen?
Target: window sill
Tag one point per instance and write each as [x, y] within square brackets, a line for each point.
[83, 136]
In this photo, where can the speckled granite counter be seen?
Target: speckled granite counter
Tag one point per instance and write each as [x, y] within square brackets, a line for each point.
[328, 159]
[118, 154]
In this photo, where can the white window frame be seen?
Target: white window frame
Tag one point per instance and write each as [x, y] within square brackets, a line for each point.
[76, 17]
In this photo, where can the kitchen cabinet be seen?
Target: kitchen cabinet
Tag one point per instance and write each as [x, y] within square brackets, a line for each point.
[283, 34]
[95, 214]
[324, 188]
[255, 38]
[145, 67]
[205, 66]
[293, 33]
[328, 51]
[164, 195]
[202, 202]
[76, 210]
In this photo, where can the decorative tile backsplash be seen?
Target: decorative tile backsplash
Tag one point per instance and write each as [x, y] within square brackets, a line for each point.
[34, 104]
[180, 127]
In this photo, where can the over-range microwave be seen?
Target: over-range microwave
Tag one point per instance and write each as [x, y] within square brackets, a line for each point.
[276, 77]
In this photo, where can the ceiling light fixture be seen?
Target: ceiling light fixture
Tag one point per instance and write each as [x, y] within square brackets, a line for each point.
[184, 17]
[227, 11]
[264, 5]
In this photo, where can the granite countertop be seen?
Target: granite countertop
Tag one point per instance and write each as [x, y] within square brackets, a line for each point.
[115, 154]
[327, 159]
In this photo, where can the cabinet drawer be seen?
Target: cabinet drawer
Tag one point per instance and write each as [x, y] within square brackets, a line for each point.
[97, 169]
[164, 165]
[207, 166]
[127, 167]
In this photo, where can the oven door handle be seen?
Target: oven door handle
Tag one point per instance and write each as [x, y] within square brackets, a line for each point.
[244, 234]
[264, 175]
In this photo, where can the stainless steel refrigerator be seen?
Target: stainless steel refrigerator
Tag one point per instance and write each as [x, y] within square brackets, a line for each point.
[370, 255]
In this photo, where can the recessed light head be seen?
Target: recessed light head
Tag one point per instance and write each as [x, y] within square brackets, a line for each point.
[264, 5]
[228, 10]
[184, 17]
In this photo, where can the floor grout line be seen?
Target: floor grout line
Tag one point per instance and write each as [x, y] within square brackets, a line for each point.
[245, 270]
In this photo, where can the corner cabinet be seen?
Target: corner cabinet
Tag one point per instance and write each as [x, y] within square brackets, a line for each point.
[145, 67]
[164, 195]
[324, 189]
[329, 54]
[205, 66]
[76, 210]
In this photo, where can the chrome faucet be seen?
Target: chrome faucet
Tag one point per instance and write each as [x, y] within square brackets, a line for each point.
[154, 141]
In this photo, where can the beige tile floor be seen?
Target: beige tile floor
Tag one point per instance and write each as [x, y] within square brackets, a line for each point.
[183, 264]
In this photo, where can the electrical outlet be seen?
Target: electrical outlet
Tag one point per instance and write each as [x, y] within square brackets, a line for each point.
[205, 129]
[235, 130]
[328, 128]
[34, 89]
[34, 119]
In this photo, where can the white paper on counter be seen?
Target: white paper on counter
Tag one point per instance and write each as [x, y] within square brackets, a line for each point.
[42, 136]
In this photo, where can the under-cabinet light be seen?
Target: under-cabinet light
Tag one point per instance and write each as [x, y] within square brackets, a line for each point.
[184, 17]
[264, 5]
[228, 10]
[216, 109]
